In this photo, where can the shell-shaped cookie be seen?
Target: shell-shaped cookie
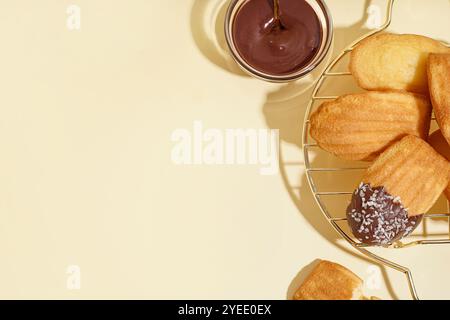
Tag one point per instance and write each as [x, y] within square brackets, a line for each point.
[412, 171]
[439, 83]
[330, 281]
[361, 126]
[394, 62]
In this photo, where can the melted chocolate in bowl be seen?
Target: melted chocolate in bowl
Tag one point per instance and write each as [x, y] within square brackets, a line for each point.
[274, 50]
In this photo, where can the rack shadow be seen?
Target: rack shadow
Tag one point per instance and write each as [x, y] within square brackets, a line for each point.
[283, 109]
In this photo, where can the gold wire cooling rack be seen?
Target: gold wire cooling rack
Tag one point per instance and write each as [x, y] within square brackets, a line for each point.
[309, 147]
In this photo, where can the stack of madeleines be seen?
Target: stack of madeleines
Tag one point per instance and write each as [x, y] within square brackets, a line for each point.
[407, 77]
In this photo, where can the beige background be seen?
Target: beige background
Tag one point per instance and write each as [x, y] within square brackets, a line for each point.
[86, 177]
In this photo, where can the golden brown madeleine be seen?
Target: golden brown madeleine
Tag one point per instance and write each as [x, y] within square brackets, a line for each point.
[330, 281]
[412, 170]
[439, 82]
[361, 126]
[438, 142]
[402, 184]
[394, 62]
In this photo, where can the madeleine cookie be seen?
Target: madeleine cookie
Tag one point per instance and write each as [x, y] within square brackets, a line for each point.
[402, 184]
[361, 126]
[330, 281]
[394, 62]
[438, 142]
[439, 83]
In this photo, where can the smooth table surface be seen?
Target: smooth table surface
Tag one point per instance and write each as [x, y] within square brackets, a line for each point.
[86, 176]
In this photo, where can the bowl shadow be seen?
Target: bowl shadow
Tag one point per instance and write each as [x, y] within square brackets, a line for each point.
[283, 109]
[286, 113]
[207, 29]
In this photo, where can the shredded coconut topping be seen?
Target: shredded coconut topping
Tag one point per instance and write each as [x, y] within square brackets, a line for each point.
[378, 218]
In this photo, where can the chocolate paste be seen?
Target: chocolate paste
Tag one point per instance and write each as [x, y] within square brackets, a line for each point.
[272, 49]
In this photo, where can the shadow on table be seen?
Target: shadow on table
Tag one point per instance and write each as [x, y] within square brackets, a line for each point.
[207, 29]
[287, 115]
[284, 109]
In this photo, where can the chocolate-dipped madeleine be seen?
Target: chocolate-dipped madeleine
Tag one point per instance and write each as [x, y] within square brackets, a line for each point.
[401, 185]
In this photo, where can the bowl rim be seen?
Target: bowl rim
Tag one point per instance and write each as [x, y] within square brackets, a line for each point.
[314, 63]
